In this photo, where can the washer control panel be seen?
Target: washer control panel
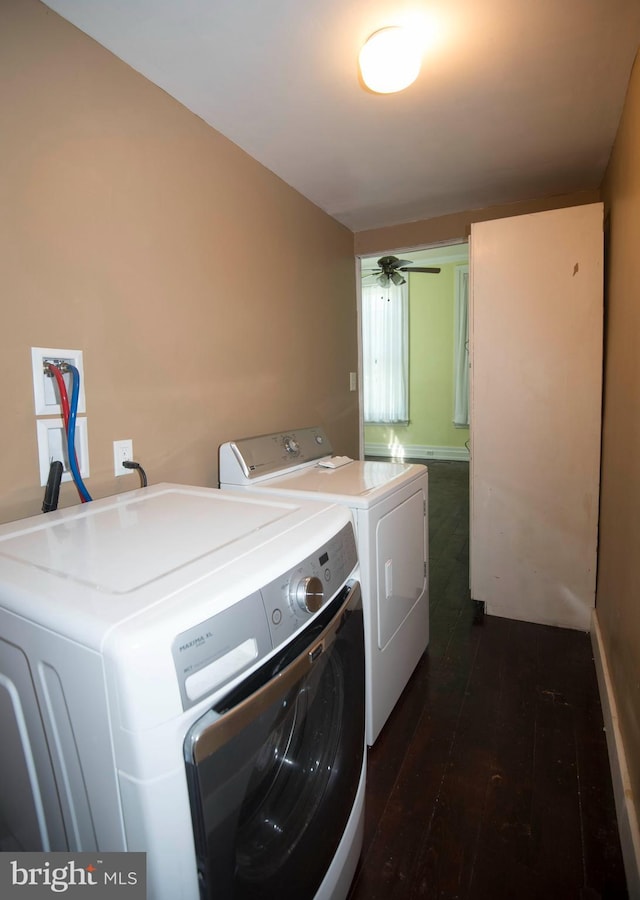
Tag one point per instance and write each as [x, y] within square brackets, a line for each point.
[209, 655]
[292, 599]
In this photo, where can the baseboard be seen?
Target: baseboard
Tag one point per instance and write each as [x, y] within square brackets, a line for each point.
[625, 807]
[576, 618]
[416, 451]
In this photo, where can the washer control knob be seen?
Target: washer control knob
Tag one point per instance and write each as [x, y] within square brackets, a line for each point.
[291, 445]
[307, 594]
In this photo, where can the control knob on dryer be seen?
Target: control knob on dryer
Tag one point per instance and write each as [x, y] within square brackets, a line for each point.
[307, 594]
[291, 445]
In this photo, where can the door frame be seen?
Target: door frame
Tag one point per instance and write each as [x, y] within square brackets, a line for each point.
[398, 251]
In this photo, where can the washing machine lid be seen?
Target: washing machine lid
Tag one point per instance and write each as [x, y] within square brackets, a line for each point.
[82, 570]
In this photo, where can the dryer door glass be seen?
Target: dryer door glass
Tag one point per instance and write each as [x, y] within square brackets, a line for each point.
[273, 771]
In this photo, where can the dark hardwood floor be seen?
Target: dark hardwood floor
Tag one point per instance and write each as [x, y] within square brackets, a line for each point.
[491, 777]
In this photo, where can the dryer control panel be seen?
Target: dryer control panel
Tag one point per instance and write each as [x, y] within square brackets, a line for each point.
[209, 655]
[266, 454]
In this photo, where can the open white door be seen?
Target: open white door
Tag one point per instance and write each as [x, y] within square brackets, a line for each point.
[536, 374]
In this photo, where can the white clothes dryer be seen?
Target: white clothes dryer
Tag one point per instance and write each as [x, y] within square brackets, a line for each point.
[182, 673]
[389, 505]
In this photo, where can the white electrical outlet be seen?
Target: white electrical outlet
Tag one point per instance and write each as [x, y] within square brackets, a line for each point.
[353, 381]
[122, 451]
[52, 445]
[45, 392]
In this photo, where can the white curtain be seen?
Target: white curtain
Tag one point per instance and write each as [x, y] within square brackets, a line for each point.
[385, 353]
[461, 349]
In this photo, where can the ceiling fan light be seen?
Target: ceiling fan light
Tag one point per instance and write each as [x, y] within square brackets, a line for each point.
[390, 60]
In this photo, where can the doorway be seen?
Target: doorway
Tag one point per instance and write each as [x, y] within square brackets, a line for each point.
[428, 429]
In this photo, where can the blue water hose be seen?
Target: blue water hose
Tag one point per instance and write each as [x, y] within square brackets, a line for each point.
[71, 434]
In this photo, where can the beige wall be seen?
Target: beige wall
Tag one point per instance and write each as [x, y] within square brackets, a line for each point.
[456, 227]
[211, 300]
[618, 593]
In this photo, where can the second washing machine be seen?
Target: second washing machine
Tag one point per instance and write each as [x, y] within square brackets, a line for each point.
[389, 506]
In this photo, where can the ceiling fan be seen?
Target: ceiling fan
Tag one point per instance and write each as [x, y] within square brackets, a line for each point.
[390, 268]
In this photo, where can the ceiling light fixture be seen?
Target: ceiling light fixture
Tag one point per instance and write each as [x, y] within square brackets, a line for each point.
[390, 60]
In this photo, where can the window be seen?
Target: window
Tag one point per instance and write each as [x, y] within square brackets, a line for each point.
[385, 353]
[461, 349]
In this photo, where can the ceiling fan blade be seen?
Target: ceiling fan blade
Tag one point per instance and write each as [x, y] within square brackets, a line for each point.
[419, 269]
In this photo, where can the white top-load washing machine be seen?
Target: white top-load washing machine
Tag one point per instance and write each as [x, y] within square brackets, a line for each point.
[182, 673]
[389, 504]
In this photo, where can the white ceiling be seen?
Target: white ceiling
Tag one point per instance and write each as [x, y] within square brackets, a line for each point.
[517, 99]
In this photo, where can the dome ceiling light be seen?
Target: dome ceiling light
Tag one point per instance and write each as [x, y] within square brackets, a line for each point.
[390, 60]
